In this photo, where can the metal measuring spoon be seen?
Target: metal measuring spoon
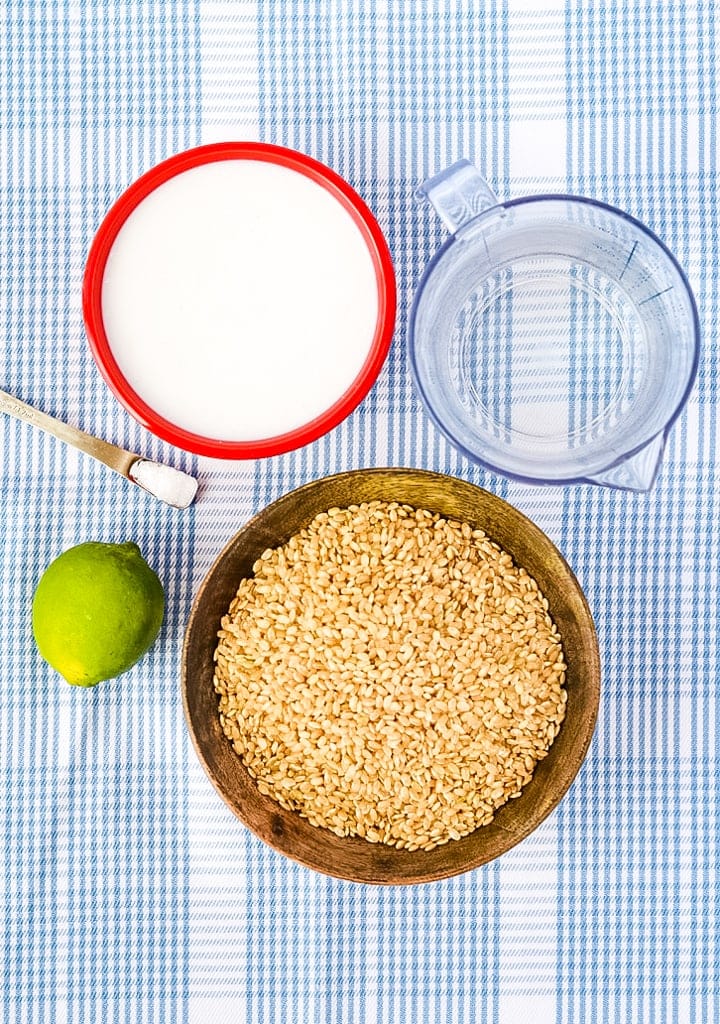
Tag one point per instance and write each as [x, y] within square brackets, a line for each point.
[164, 482]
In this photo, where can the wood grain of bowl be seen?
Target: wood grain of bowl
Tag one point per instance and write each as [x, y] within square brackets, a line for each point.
[354, 858]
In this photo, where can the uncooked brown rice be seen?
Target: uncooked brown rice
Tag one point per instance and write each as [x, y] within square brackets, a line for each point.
[390, 673]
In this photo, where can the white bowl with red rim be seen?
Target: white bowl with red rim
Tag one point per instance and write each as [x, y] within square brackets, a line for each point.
[239, 299]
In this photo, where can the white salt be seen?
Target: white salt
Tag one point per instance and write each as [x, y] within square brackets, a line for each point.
[164, 482]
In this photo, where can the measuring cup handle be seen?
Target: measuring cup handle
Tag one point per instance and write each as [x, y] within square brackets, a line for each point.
[459, 194]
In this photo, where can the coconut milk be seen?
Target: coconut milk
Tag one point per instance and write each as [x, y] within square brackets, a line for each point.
[240, 300]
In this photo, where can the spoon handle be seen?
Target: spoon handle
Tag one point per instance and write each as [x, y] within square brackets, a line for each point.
[176, 488]
[114, 457]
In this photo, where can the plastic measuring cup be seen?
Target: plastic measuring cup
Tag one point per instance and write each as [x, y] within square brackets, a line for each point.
[553, 338]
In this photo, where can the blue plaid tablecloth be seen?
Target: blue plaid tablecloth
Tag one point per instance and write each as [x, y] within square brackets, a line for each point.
[129, 891]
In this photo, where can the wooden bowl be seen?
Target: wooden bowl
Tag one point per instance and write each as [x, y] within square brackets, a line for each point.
[353, 858]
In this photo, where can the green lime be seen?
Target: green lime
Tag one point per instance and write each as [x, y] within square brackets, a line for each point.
[96, 610]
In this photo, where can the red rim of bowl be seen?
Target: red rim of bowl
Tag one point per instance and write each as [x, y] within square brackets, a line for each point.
[100, 345]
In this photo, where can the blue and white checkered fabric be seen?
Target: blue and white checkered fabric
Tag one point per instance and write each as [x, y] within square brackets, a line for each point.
[130, 893]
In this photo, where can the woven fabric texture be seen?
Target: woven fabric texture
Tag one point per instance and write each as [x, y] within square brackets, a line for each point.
[129, 891]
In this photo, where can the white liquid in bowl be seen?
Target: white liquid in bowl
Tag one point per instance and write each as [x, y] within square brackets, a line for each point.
[240, 300]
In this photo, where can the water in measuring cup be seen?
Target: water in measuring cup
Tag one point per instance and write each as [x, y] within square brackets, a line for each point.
[553, 338]
[548, 354]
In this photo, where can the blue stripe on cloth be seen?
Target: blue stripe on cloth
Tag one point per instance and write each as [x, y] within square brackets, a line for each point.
[95, 837]
[705, 716]
[655, 866]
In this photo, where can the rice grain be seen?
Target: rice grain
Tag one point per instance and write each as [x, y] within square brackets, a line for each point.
[390, 673]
